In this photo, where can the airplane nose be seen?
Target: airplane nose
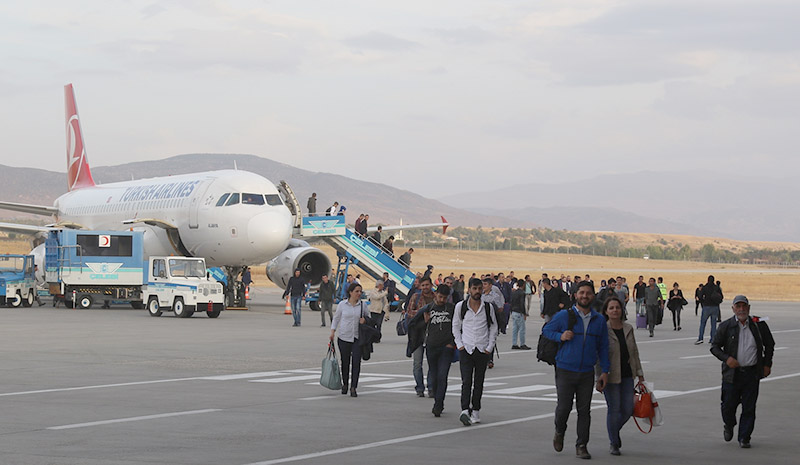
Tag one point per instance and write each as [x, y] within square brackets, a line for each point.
[269, 233]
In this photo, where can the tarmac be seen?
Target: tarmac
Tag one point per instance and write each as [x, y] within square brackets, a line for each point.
[120, 387]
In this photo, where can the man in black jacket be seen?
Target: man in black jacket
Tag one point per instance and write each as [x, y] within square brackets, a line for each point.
[326, 292]
[555, 300]
[296, 287]
[710, 298]
[745, 346]
[439, 344]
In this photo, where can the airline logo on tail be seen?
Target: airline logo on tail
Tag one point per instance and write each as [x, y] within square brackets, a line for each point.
[78, 172]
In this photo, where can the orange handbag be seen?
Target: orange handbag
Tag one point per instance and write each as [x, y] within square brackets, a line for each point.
[643, 406]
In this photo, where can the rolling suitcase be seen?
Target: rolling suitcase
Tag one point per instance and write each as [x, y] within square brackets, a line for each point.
[641, 321]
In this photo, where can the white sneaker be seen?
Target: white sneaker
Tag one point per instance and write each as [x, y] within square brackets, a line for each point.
[475, 417]
[465, 418]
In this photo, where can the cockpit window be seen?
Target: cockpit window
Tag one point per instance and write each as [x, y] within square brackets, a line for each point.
[222, 200]
[233, 200]
[252, 199]
[273, 199]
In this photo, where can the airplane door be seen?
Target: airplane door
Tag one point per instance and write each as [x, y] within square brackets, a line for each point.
[197, 202]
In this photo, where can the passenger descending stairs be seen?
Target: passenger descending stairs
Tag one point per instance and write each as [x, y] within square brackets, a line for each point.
[373, 259]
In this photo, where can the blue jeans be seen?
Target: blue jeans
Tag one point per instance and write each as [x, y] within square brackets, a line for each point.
[709, 311]
[619, 398]
[296, 302]
[639, 306]
[439, 359]
[517, 327]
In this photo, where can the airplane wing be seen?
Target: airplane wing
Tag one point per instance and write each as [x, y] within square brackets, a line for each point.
[444, 224]
[27, 208]
[24, 228]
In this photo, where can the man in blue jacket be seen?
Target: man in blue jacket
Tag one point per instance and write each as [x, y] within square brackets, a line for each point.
[581, 348]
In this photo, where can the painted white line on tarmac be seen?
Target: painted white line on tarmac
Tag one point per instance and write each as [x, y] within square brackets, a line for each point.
[245, 375]
[696, 356]
[400, 440]
[99, 386]
[129, 419]
[521, 389]
[512, 376]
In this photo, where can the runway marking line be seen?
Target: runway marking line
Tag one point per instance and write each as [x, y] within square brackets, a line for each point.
[400, 440]
[129, 419]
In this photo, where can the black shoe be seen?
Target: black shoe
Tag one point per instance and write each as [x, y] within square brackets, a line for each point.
[344, 389]
[490, 365]
[582, 453]
[614, 450]
[353, 393]
[651, 334]
[431, 394]
[558, 442]
[698, 342]
[437, 412]
[727, 433]
[744, 444]
[322, 325]
[421, 394]
[514, 347]
[524, 347]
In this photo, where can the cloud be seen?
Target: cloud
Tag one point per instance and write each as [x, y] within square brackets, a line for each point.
[380, 41]
[472, 35]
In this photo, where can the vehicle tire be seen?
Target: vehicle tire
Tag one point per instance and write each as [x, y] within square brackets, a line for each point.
[189, 311]
[152, 306]
[137, 304]
[85, 301]
[314, 305]
[217, 309]
[179, 308]
[29, 299]
[15, 301]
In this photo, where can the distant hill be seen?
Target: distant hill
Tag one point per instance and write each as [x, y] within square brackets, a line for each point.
[384, 203]
[743, 207]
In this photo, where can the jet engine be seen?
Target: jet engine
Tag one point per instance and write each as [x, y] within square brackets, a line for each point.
[311, 262]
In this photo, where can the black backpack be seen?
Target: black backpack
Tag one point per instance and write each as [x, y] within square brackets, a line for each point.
[547, 349]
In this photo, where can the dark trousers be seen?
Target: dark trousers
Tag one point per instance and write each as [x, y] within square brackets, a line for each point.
[574, 385]
[350, 350]
[652, 317]
[474, 363]
[439, 359]
[743, 390]
[676, 317]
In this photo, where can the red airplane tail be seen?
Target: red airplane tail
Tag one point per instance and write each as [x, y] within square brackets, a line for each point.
[78, 172]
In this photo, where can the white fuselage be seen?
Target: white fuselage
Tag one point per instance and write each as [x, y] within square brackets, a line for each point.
[233, 234]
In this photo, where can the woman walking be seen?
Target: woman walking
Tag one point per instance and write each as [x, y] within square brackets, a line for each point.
[624, 357]
[349, 314]
[675, 305]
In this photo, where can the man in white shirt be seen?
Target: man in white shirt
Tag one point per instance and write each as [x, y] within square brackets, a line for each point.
[475, 334]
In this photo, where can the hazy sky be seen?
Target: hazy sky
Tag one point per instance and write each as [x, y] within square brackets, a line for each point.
[432, 96]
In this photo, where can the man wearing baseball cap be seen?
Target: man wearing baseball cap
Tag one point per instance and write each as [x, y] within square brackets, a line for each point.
[745, 346]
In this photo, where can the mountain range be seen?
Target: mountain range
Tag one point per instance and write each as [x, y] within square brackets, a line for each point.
[743, 208]
[384, 203]
[671, 202]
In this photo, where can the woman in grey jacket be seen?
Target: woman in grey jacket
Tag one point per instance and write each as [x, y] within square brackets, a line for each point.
[624, 357]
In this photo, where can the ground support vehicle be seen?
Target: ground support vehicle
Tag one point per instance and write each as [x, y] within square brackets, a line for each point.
[17, 282]
[83, 267]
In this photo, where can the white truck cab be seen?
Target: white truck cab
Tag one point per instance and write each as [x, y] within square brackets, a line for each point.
[182, 285]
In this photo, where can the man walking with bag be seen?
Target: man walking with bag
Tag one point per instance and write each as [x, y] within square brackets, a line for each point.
[745, 346]
[475, 333]
[580, 350]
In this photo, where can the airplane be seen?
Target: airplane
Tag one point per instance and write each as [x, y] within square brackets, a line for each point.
[232, 218]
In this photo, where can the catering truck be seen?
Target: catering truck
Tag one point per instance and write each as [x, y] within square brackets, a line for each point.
[84, 267]
[17, 283]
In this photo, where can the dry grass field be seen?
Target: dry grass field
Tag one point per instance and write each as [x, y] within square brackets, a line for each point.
[759, 283]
